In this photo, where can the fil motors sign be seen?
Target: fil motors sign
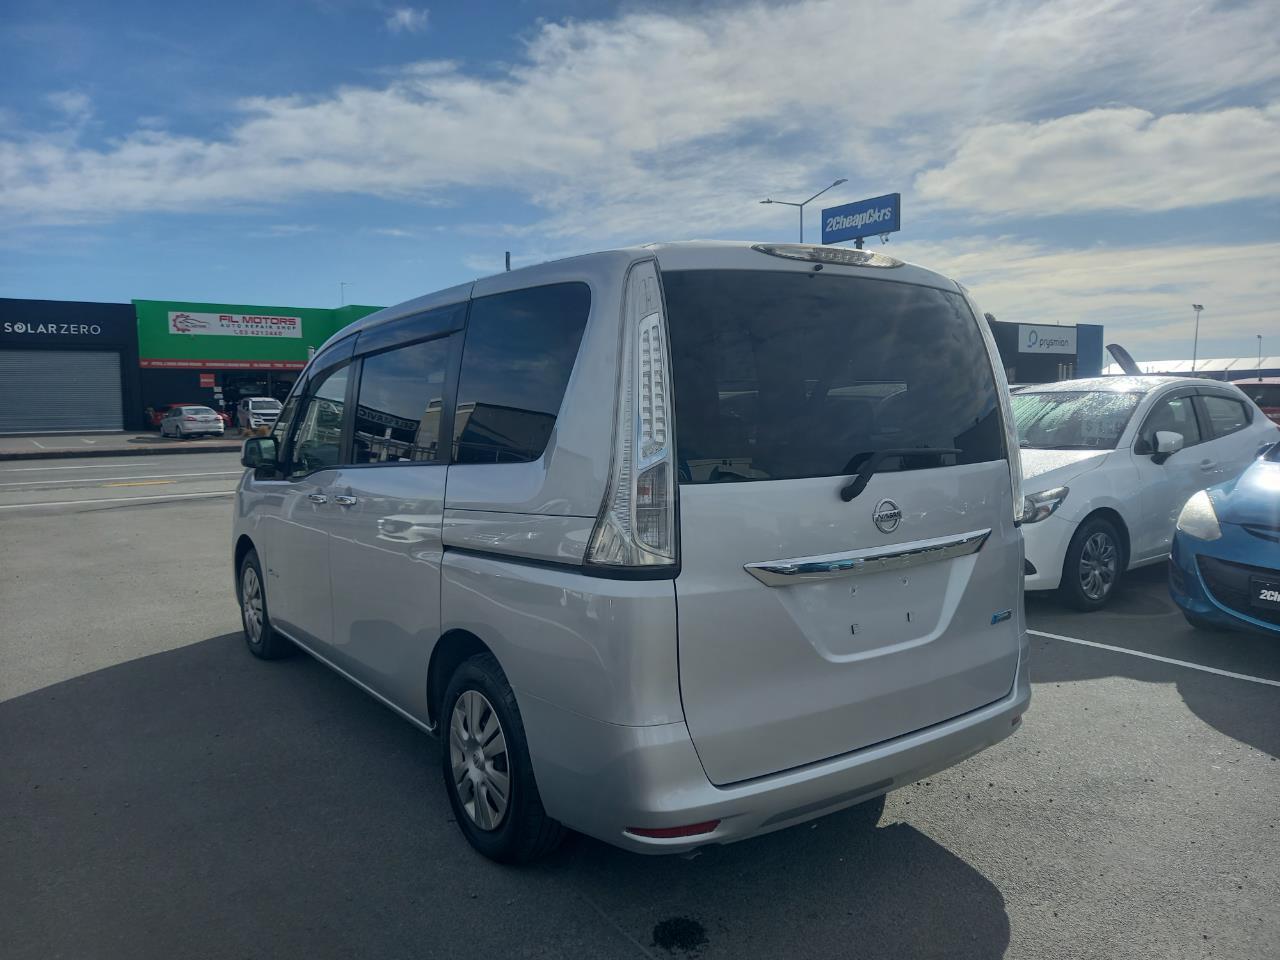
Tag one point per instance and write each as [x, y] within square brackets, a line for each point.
[234, 325]
[1049, 339]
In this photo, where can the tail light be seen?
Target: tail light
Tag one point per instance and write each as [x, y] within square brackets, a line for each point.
[637, 526]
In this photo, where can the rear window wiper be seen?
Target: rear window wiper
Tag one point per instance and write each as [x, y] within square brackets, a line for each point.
[872, 463]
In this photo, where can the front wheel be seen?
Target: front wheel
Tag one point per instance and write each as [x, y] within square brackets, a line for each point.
[261, 638]
[1093, 566]
[486, 766]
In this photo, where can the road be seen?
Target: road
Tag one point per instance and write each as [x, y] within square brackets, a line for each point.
[166, 795]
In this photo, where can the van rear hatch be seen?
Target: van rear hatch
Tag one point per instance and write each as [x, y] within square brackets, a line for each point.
[811, 625]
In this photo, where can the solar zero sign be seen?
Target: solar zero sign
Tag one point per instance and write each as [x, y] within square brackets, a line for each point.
[863, 218]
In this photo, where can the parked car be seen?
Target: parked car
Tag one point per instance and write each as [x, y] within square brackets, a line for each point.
[1265, 392]
[193, 421]
[1225, 570]
[1107, 463]
[721, 548]
[255, 413]
[157, 414]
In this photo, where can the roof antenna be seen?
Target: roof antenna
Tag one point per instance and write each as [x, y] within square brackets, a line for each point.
[508, 261]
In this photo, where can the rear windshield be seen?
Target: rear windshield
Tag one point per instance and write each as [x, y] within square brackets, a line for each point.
[1072, 420]
[196, 411]
[787, 375]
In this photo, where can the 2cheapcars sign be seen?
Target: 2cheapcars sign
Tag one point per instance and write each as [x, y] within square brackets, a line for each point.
[234, 324]
[1051, 339]
[865, 218]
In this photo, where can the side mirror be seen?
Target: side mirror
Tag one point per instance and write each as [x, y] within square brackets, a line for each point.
[1167, 444]
[259, 454]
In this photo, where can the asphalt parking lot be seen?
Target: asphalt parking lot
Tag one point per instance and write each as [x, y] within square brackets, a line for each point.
[164, 794]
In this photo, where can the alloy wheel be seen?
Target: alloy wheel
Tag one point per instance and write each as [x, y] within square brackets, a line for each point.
[1099, 561]
[251, 603]
[479, 761]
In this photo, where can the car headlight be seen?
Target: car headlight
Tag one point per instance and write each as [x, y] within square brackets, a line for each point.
[1037, 506]
[1198, 518]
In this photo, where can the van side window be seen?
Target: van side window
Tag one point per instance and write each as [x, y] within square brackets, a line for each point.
[400, 402]
[317, 443]
[519, 351]
[1226, 415]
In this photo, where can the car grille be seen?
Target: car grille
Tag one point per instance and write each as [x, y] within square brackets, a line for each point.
[1229, 584]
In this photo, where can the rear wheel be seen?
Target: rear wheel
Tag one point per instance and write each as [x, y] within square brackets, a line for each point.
[262, 639]
[1093, 566]
[487, 772]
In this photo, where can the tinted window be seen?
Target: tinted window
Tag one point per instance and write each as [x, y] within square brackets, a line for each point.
[1177, 416]
[1084, 420]
[784, 375]
[1226, 414]
[519, 352]
[398, 412]
[317, 444]
[1263, 394]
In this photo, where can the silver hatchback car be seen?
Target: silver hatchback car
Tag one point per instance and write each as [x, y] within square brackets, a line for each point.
[672, 545]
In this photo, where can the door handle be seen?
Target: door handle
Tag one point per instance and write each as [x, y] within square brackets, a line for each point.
[317, 498]
[344, 501]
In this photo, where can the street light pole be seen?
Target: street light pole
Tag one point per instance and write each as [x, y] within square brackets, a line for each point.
[1195, 344]
[1259, 336]
[342, 292]
[801, 205]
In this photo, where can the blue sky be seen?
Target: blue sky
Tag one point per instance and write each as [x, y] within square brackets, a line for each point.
[1095, 161]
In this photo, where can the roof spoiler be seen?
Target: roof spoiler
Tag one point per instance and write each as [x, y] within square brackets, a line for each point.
[1121, 356]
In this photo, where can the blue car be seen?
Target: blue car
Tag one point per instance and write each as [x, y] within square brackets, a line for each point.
[1225, 568]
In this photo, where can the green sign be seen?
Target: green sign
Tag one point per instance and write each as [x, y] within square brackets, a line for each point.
[226, 336]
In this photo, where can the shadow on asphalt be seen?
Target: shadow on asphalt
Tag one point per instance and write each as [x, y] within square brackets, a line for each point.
[1142, 617]
[201, 803]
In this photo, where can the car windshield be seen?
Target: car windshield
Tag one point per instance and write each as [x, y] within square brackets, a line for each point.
[1072, 420]
[265, 406]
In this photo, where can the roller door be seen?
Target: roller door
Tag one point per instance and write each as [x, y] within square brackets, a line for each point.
[59, 391]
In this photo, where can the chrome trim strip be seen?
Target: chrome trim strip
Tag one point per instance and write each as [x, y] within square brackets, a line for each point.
[782, 573]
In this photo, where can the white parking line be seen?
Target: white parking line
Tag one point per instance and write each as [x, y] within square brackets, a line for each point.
[1151, 656]
[145, 476]
[72, 503]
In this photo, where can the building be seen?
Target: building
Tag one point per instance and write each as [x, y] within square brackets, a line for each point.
[216, 353]
[67, 366]
[83, 367]
[1215, 368]
[1043, 353]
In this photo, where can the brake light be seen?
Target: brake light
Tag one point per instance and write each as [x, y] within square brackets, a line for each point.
[637, 524]
[671, 833]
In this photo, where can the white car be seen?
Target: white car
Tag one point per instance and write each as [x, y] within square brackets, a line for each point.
[253, 413]
[1107, 463]
[190, 421]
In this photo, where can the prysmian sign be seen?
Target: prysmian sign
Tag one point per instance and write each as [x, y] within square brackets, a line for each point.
[865, 218]
[234, 325]
[1032, 339]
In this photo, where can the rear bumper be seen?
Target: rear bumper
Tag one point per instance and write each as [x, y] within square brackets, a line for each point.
[1046, 545]
[601, 778]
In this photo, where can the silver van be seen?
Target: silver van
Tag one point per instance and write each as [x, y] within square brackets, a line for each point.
[673, 545]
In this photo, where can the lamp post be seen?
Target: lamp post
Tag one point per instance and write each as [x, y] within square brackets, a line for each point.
[1195, 344]
[801, 205]
[342, 292]
[1259, 336]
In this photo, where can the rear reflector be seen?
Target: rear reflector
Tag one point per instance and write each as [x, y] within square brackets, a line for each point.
[668, 833]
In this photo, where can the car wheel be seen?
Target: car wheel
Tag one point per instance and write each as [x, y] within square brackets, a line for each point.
[487, 772]
[1093, 566]
[263, 640]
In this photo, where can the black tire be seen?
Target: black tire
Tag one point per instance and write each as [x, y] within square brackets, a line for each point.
[523, 831]
[265, 642]
[1092, 533]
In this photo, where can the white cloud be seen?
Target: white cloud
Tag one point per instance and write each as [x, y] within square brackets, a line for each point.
[75, 105]
[1111, 159]
[407, 20]
[1142, 295]
[657, 124]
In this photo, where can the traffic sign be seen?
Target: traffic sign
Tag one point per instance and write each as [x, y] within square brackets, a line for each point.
[863, 218]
